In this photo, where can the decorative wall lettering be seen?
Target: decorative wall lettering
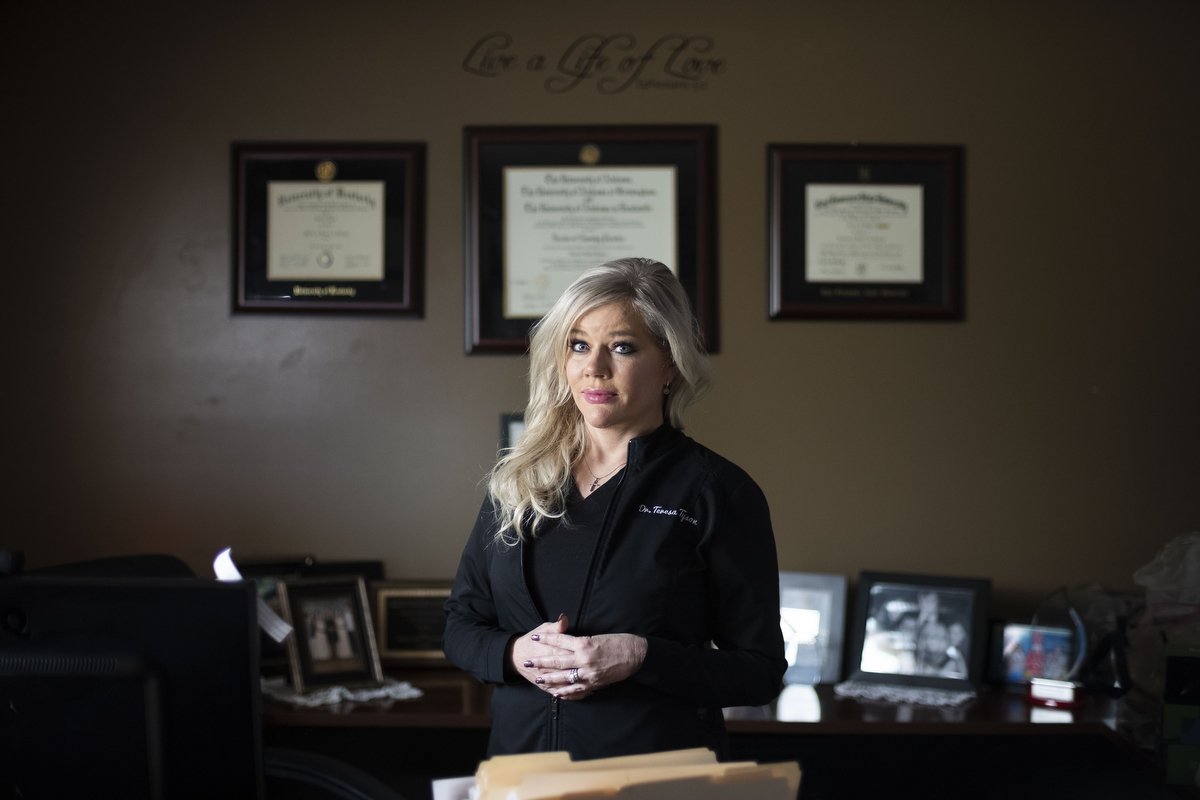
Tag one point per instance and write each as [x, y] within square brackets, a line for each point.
[611, 63]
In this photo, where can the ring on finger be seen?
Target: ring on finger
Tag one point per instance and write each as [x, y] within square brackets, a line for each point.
[574, 673]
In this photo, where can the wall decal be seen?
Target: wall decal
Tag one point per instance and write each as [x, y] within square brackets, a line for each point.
[611, 63]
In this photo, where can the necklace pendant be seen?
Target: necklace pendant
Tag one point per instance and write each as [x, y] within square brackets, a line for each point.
[592, 488]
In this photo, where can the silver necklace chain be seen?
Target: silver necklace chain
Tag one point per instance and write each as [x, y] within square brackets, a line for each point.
[597, 478]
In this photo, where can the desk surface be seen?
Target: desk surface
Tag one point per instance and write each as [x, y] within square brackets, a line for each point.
[991, 748]
[455, 700]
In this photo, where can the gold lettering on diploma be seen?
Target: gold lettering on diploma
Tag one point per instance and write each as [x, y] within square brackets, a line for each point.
[324, 291]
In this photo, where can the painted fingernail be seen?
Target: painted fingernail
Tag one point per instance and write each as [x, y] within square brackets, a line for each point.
[526, 663]
[539, 680]
[535, 637]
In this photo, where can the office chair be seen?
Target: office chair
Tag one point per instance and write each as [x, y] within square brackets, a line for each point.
[299, 775]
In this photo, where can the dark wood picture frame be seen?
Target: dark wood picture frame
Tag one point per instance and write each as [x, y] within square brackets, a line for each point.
[489, 150]
[333, 635]
[900, 621]
[863, 290]
[410, 621]
[269, 572]
[318, 254]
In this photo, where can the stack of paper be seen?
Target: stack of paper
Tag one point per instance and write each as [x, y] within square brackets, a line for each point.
[677, 775]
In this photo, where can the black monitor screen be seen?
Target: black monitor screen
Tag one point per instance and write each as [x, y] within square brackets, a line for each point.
[129, 687]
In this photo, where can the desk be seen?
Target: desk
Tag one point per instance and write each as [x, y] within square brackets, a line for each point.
[848, 749]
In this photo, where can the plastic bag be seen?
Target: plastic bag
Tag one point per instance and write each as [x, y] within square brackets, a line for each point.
[1171, 615]
[1172, 582]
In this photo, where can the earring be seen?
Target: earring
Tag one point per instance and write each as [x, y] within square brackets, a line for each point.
[667, 388]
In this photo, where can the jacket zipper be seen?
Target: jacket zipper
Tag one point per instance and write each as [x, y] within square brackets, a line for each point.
[554, 737]
[601, 541]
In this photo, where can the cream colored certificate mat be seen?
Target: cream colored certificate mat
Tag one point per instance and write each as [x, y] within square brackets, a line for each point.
[325, 231]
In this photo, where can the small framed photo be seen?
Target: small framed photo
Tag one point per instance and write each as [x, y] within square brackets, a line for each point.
[1021, 652]
[920, 630]
[411, 621]
[333, 638]
[865, 231]
[267, 574]
[812, 613]
[323, 226]
[545, 203]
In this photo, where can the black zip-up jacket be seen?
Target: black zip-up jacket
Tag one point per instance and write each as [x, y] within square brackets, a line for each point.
[685, 558]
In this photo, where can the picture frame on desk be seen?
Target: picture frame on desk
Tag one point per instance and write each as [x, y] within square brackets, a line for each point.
[812, 614]
[919, 630]
[411, 621]
[333, 638]
[1019, 652]
[329, 226]
[861, 231]
[546, 202]
[268, 572]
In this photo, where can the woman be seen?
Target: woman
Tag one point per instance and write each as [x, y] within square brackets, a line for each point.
[652, 556]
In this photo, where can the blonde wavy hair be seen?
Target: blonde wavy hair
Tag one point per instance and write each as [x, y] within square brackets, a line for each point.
[529, 483]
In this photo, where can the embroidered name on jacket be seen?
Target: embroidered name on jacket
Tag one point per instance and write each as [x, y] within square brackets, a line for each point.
[680, 513]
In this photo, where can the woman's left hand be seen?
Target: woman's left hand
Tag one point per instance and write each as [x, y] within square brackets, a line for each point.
[591, 663]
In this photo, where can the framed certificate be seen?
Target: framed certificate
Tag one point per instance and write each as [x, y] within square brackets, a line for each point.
[329, 227]
[411, 620]
[865, 231]
[546, 203]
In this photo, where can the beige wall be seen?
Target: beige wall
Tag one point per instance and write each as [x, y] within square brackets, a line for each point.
[1052, 437]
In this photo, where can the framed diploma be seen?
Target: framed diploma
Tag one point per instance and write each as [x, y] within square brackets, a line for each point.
[865, 232]
[544, 204]
[329, 227]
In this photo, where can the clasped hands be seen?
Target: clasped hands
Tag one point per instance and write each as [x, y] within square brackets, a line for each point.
[574, 667]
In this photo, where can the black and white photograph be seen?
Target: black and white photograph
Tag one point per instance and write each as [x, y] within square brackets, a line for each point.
[919, 630]
[328, 624]
[333, 639]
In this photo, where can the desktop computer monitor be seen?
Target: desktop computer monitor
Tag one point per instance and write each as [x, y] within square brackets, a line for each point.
[129, 687]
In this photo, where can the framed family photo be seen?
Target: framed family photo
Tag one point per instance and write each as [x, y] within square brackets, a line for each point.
[326, 226]
[545, 203]
[1021, 652]
[269, 573]
[865, 231]
[920, 630]
[333, 638]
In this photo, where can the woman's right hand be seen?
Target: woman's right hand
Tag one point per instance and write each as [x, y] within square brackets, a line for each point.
[524, 649]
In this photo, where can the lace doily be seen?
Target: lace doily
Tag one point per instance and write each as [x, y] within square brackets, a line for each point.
[277, 689]
[891, 693]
